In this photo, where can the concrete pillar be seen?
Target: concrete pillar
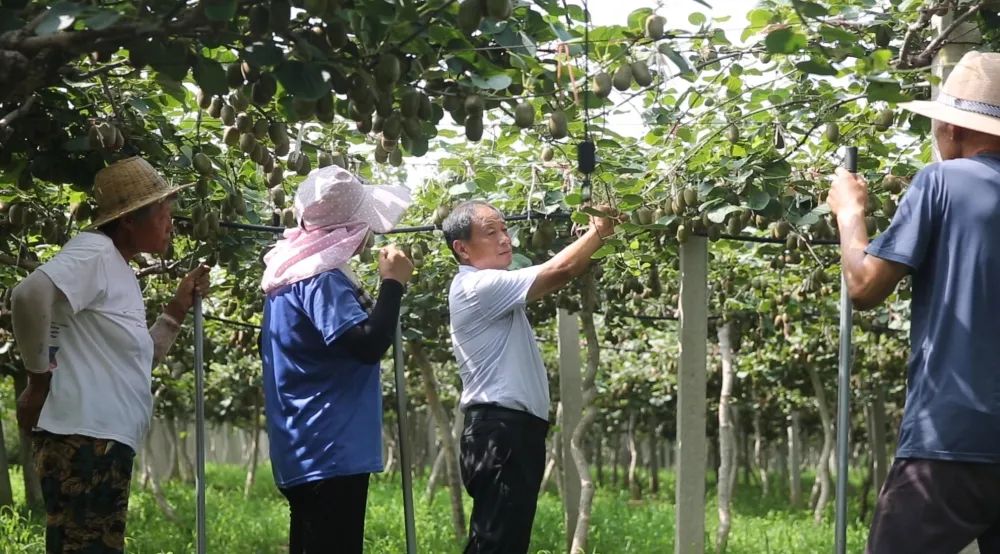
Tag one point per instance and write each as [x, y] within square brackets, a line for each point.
[692, 443]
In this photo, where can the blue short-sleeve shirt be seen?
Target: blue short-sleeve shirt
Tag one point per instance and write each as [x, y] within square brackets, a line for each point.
[947, 231]
[323, 405]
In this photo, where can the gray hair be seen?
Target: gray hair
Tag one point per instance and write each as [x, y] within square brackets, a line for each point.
[458, 224]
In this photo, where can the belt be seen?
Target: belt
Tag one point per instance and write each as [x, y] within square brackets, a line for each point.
[482, 412]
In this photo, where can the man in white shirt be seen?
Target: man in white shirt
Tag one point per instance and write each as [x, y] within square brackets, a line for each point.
[505, 393]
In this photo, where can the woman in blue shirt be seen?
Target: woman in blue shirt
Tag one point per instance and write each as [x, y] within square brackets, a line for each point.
[321, 343]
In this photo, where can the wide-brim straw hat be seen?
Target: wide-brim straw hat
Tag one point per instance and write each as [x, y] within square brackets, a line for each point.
[126, 186]
[970, 97]
[332, 196]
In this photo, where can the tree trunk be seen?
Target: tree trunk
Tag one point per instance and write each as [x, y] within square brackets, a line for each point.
[823, 465]
[654, 461]
[634, 488]
[6, 491]
[435, 479]
[446, 439]
[794, 461]
[186, 463]
[154, 481]
[32, 483]
[170, 432]
[254, 444]
[587, 488]
[551, 466]
[616, 459]
[599, 456]
[759, 453]
[727, 440]
[389, 437]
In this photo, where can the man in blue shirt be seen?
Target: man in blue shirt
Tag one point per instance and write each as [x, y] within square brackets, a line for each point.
[943, 490]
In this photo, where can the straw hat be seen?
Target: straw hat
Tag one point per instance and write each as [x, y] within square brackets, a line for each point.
[127, 185]
[970, 97]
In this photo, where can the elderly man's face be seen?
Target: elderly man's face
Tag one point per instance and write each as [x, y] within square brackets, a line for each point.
[489, 245]
[152, 233]
[944, 138]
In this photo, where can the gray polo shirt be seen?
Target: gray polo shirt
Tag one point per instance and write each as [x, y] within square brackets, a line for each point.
[497, 355]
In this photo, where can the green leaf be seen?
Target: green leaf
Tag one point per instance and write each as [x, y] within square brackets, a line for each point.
[696, 18]
[499, 81]
[837, 34]
[263, 54]
[302, 79]
[603, 252]
[460, 189]
[718, 215]
[784, 41]
[678, 60]
[520, 261]
[220, 10]
[888, 90]
[811, 9]
[816, 67]
[758, 200]
[58, 17]
[101, 19]
[637, 19]
[760, 18]
[210, 77]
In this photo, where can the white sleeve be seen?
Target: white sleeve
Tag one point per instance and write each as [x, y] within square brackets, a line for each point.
[499, 291]
[33, 303]
[79, 274]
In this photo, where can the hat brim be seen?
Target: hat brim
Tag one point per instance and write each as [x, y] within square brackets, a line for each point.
[948, 114]
[384, 206]
[104, 218]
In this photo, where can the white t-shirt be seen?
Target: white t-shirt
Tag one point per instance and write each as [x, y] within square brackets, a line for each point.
[497, 354]
[100, 344]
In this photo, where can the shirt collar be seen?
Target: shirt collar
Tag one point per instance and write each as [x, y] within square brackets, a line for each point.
[464, 268]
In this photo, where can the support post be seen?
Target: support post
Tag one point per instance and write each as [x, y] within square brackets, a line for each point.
[404, 445]
[692, 443]
[571, 394]
[844, 394]
[199, 417]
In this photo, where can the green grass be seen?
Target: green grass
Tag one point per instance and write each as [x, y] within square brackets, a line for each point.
[259, 523]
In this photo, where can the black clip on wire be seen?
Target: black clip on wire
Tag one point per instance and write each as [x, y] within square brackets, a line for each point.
[586, 160]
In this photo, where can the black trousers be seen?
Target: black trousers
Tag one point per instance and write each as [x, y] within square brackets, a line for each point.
[937, 507]
[503, 459]
[328, 516]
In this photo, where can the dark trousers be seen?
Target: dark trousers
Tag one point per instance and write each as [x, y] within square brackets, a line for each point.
[328, 516]
[85, 484]
[503, 459]
[937, 507]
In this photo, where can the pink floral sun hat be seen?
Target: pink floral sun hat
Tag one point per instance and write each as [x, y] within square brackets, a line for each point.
[335, 210]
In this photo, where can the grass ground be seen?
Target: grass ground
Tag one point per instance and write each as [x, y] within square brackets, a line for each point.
[258, 524]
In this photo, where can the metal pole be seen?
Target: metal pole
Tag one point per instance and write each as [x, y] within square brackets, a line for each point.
[404, 447]
[844, 393]
[199, 414]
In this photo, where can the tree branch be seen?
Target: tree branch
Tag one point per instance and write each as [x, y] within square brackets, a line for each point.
[926, 57]
[6, 120]
[23, 263]
[912, 37]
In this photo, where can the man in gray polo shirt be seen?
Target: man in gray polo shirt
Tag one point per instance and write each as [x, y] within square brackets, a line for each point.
[505, 391]
[943, 488]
